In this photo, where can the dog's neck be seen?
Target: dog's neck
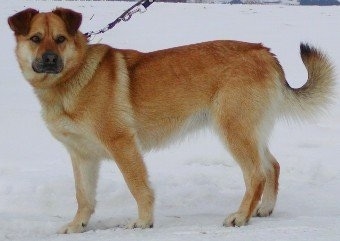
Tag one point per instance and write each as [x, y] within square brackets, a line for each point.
[61, 98]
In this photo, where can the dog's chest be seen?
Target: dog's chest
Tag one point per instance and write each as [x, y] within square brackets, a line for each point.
[76, 135]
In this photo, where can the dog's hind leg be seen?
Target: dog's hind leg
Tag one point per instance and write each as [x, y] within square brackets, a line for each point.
[272, 170]
[86, 176]
[246, 152]
[238, 122]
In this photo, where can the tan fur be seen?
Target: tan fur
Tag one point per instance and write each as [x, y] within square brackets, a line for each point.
[111, 103]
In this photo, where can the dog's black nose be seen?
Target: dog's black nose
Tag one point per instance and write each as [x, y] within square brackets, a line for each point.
[50, 63]
[50, 58]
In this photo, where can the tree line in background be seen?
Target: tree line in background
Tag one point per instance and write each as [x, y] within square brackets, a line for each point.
[319, 2]
[301, 2]
[292, 2]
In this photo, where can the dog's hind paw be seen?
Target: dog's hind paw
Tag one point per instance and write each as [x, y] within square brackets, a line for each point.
[139, 224]
[72, 228]
[235, 220]
[263, 212]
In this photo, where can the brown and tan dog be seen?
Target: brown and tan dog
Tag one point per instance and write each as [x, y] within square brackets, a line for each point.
[106, 103]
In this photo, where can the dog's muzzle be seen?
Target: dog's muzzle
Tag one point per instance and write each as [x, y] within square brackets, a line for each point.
[50, 63]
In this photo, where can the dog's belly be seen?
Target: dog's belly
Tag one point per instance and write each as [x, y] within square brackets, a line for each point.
[157, 133]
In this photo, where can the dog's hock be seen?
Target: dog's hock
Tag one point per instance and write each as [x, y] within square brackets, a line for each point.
[20, 22]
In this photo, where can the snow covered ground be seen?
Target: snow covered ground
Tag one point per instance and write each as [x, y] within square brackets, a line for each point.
[196, 182]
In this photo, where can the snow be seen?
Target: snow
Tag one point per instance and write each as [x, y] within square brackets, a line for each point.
[196, 182]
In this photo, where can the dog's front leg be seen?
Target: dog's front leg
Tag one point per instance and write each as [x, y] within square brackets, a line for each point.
[86, 176]
[130, 162]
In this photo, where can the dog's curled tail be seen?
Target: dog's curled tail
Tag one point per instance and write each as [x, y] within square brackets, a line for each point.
[313, 97]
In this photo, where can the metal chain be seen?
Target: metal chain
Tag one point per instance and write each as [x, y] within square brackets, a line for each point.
[139, 7]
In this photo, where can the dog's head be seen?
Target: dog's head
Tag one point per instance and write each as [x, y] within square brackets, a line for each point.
[49, 45]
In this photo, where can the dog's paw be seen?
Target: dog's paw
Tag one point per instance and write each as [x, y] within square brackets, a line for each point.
[235, 220]
[72, 228]
[139, 224]
[263, 211]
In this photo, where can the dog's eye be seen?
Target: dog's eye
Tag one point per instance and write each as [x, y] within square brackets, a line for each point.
[35, 39]
[60, 39]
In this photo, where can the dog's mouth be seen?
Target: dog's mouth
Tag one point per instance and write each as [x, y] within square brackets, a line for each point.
[50, 63]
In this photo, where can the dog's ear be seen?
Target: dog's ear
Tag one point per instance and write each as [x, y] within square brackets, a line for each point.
[71, 19]
[21, 21]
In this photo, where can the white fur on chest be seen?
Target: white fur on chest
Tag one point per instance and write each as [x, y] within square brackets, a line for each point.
[78, 137]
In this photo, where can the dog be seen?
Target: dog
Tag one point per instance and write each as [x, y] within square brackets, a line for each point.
[107, 103]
